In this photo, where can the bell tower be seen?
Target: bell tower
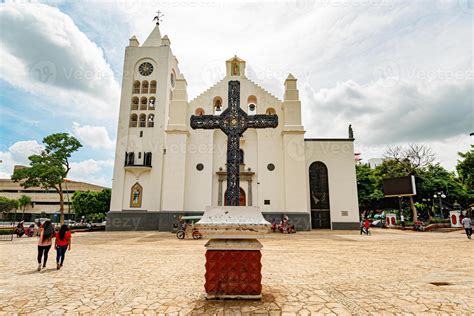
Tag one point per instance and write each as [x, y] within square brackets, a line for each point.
[235, 67]
[293, 149]
[150, 76]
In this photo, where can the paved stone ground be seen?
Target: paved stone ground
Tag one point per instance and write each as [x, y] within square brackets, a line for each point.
[319, 272]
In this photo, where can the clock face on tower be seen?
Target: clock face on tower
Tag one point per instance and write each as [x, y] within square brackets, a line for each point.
[145, 69]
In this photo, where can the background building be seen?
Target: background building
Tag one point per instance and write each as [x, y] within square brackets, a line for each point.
[44, 203]
[374, 162]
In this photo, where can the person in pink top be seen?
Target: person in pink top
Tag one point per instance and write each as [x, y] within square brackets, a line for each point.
[45, 242]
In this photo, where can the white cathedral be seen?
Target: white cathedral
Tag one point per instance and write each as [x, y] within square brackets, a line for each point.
[165, 169]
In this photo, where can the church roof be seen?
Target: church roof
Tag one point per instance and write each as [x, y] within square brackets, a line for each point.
[154, 39]
[211, 89]
[235, 58]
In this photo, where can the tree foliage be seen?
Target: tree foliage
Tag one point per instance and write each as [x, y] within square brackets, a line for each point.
[430, 178]
[465, 168]
[23, 202]
[92, 205]
[369, 187]
[409, 160]
[406, 161]
[6, 204]
[49, 168]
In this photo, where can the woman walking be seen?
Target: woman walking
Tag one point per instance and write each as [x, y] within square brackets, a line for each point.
[44, 243]
[63, 243]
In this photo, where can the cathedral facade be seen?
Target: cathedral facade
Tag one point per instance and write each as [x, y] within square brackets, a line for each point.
[165, 169]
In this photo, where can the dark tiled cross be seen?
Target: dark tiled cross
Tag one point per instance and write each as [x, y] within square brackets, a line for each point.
[233, 122]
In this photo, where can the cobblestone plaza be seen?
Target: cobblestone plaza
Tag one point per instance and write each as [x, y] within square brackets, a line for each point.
[318, 272]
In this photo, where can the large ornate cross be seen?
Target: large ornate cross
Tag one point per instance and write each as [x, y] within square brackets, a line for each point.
[233, 122]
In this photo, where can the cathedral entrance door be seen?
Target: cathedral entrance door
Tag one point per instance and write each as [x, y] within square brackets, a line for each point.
[242, 198]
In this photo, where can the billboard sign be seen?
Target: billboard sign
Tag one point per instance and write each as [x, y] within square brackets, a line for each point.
[401, 186]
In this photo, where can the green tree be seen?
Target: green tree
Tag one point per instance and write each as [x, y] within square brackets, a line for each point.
[92, 205]
[23, 202]
[49, 169]
[435, 178]
[369, 187]
[401, 161]
[6, 204]
[465, 168]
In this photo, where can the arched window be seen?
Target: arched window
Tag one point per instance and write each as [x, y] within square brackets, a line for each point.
[151, 103]
[133, 120]
[199, 112]
[136, 195]
[143, 104]
[270, 111]
[319, 185]
[130, 158]
[151, 120]
[173, 78]
[147, 159]
[142, 120]
[153, 86]
[136, 86]
[145, 86]
[217, 102]
[252, 104]
[135, 103]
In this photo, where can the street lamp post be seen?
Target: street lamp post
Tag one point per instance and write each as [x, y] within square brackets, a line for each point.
[439, 196]
[427, 202]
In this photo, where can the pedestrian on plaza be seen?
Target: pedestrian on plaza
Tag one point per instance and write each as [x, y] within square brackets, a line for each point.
[366, 226]
[402, 221]
[361, 226]
[467, 224]
[44, 243]
[62, 244]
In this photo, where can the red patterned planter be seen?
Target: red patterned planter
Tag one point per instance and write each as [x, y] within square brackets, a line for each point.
[234, 273]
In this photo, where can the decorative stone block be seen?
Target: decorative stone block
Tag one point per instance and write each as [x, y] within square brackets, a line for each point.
[455, 218]
[233, 269]
[391, 220]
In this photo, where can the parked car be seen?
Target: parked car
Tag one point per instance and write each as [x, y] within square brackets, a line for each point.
[70, 222]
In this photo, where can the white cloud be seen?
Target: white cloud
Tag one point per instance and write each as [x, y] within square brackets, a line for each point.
[406, 112]
[17, 154]
[94, 136]
[438, 115]
[383, 66]
[91, 171]
[45, 54]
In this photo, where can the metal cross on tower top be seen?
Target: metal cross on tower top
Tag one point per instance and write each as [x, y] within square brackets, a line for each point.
[233, 122]
[158, 17]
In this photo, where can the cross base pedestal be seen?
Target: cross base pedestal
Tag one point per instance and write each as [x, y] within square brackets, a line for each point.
[233, 269]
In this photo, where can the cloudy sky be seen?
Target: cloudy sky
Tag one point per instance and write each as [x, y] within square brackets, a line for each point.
[399, 71]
